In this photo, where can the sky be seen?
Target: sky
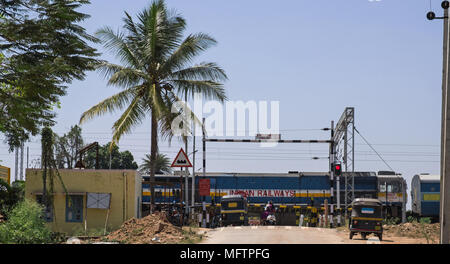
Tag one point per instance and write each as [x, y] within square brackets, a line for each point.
[315, 57]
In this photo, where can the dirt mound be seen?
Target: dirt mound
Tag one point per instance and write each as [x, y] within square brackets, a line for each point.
[415, 230]
[152, 229]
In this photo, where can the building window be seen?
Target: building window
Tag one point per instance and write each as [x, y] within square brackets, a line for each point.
[48, 211]
[74, 208]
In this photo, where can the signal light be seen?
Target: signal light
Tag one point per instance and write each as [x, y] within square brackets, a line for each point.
[337, 168]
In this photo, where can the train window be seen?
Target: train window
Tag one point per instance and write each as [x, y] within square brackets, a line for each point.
[382, 187]
[395, 187]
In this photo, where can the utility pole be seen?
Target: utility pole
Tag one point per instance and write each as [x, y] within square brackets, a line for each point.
[16, 170]
[332, 175]
[444, 214]
[445, 137]
[21, 162]
[193, 170]
[186, 176]
[204, 172]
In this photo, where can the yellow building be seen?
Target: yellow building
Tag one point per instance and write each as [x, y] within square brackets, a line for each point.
[5, 174]
[98, 198]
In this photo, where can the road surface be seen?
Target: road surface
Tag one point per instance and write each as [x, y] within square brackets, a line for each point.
[274, 235]
[294, 235]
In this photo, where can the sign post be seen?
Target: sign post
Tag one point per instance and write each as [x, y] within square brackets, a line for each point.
[181, 161]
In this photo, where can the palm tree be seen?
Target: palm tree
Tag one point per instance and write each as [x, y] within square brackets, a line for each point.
[162, 164]
[156, 69]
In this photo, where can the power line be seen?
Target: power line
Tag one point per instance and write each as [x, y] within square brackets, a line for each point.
[373, 149]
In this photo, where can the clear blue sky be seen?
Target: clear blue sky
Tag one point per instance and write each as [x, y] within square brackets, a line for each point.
[315, 57]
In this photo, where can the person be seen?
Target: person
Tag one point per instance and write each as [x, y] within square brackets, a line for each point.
[269, 207]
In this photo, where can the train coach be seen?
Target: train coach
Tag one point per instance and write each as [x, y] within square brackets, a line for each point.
[425, 195]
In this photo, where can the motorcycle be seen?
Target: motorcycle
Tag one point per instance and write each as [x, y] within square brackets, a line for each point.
[268, 218]
[271, 220]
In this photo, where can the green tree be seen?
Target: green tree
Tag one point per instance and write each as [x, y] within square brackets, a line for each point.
[162, 164]
[10, 195]
[67, 147]
[119, 160]
[42, 48]
[49, 168]
[156, 69]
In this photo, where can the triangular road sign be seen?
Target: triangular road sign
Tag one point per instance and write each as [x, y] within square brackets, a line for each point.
[181, 160]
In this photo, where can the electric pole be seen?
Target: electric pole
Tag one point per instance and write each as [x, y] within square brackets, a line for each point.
[444, 215]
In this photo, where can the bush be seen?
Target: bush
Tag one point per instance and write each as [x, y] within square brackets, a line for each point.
[425, 220]
[25, 225]
[391, 221]
[10, 195]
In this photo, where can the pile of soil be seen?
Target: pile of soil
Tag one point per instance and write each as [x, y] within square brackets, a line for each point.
[414, 230]
[152, 229]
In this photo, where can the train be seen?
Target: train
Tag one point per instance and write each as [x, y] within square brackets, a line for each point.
[285, 189]
[392, 193]
[425, 195]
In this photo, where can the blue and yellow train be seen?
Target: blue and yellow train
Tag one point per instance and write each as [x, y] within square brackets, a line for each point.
[294, 188]
[425, 195]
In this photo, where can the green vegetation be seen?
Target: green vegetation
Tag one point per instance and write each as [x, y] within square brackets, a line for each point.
[190, 236]
[25, 225]
[119, 160]
[391, 221]
[42, 48]
[10, 195]
[67, 147]
[156, 69]
[162, 164]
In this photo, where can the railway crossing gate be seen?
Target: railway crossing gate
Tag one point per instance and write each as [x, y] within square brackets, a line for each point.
[341, 139]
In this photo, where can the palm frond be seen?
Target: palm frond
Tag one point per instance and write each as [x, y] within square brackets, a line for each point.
[110, 104]
[210, 89]
[203, 71]
[133, 116]
[116, 42]
[191, 47]
[121, 76]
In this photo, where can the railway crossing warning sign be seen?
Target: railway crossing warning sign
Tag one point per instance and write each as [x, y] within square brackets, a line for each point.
[181, 160]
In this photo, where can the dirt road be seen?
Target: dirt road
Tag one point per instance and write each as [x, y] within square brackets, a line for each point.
[272, 235]
[292, 235]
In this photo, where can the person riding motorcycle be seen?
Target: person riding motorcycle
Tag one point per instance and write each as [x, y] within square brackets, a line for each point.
[268, 210]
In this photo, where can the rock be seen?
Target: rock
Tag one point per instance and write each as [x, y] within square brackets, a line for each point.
[155, 239]
[73, 240]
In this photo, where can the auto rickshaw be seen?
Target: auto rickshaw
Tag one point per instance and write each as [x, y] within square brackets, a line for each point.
[233, 210]
[366, 218]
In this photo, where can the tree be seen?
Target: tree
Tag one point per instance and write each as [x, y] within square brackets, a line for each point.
[67, 147]
[162, 164]
[42, 48]
[10, 195]
[119, 160]
[49, 169]
[156, 68]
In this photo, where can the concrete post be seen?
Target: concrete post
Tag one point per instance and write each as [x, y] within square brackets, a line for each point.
[445, 141]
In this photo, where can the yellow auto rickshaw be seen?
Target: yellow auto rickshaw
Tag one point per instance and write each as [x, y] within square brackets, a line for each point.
[366, 218]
